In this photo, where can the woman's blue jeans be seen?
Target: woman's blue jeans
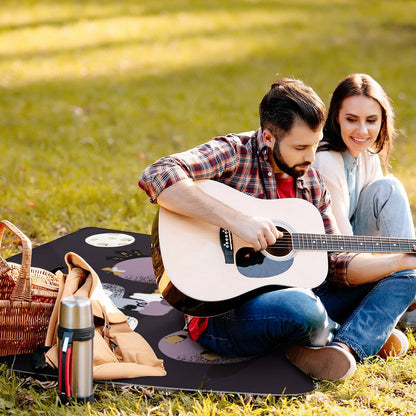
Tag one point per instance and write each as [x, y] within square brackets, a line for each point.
[368, 313]
[383, 210]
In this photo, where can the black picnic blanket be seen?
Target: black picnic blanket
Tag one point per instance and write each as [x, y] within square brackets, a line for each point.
[123, 263]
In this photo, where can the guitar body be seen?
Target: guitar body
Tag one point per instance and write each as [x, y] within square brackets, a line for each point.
[198, 276]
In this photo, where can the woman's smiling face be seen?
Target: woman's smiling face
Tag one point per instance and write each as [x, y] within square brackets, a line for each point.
[360, 121]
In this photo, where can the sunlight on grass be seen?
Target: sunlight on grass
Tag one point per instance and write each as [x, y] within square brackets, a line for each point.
[98, 41]
[145, 45]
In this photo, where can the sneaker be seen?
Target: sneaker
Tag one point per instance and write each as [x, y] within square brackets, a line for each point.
[396, 346]
[325, 363]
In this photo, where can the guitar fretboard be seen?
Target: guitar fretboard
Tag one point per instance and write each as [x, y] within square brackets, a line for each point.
[361, 244]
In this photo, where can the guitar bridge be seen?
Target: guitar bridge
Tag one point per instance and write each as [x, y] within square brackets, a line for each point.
[226, 241]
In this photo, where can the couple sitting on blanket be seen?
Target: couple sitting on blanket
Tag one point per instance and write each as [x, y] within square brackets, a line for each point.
[353, 314]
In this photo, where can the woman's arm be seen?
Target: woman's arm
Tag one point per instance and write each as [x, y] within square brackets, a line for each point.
[365, 268]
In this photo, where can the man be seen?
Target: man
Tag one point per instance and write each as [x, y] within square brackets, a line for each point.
[274, 162]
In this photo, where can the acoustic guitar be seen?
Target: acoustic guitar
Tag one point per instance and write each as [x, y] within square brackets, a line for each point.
[204, 270]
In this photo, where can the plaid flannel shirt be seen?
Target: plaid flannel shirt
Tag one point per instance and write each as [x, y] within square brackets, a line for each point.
[241, 161]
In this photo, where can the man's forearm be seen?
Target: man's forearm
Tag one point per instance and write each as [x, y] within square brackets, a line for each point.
[186, 198]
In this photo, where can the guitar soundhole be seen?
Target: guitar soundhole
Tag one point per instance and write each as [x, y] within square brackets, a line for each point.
[283, 245]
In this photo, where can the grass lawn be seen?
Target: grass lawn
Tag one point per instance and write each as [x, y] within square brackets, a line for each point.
[91, 92]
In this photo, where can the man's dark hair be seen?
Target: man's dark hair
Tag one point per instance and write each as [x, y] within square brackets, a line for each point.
[288, 101]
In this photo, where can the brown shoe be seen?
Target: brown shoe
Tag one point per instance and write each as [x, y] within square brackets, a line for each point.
[325, 363]
[396, 346]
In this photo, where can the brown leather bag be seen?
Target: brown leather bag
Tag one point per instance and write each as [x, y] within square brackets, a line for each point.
[118, 351]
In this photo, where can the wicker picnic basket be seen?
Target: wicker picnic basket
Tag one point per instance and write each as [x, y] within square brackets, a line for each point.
[27, 298]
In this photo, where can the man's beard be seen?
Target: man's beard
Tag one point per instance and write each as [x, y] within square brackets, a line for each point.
[284, 167]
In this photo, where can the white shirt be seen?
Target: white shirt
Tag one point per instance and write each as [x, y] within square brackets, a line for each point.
[331, 167]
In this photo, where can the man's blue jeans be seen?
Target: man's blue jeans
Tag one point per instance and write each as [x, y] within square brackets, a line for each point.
[269, 320]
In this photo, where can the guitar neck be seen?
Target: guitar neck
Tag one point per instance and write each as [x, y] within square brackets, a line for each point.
[358, 244]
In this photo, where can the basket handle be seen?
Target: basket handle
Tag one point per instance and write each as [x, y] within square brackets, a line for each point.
[21, 291]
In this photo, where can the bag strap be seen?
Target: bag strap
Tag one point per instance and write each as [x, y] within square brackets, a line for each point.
[105, 333]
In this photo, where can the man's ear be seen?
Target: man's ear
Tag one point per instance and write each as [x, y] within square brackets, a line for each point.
[269, 138]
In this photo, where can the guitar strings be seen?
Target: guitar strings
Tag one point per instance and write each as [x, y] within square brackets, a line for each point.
[357, 242]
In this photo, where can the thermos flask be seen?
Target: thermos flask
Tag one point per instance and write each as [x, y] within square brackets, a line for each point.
[75, 337]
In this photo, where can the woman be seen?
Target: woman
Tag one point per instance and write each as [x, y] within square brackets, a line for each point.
[359, 131]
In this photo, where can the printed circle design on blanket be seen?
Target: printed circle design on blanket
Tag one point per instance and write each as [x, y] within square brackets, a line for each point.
[109, 240]
[181, 348]
[138, 269]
